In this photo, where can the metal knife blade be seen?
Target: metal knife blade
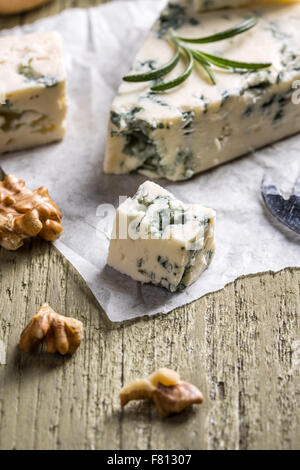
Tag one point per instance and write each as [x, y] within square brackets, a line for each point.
[287, 211]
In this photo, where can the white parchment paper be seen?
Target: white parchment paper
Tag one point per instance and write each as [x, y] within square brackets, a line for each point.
[100, 44]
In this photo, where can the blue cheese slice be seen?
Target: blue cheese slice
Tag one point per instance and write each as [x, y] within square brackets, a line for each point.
[160, 240]
[32, 92]
[197, 126]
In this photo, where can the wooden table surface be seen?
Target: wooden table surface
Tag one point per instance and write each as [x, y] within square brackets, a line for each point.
[240, 346]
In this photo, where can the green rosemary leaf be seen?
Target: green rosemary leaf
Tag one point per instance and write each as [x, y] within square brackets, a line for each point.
[204, 59]
[198, 56]
[228, 33]
[177, 81]
[206, 66]
[232, 64]
[164, 70]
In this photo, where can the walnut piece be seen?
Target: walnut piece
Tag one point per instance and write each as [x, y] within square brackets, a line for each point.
[25, 213]
[164, 387]
[56, 332]
[175, 398]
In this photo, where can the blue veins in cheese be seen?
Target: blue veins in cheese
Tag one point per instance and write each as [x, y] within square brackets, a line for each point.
[197, 126]
[32, 90]
[160, 240]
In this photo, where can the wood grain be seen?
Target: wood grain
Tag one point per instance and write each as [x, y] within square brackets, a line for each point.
[240, 346]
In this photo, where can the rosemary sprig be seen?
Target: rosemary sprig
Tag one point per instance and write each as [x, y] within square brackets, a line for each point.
[157, 73]
[232, 64]
[228, 33]
[177, 81]
[204, 59]
[206, 66]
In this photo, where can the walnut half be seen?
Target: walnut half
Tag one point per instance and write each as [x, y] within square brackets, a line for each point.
[164, 387]
[25, 213]
[56, 332]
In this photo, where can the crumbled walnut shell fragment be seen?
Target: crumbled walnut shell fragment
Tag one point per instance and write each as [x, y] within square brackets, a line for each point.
[25, 213]
[164, 387]
[56, 332]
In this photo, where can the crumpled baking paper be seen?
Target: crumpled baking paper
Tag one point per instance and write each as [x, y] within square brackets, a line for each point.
[100, 45]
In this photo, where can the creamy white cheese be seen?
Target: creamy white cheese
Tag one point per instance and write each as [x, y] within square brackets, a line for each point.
[160, 240]
[197, 126]
[32, 93]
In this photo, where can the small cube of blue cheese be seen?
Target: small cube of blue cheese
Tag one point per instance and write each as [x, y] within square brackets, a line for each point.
[32, 90]
[160, 240]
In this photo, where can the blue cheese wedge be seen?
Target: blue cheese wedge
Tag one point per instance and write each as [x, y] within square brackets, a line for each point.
[197, 126]
[32, 90]
[160, 240]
